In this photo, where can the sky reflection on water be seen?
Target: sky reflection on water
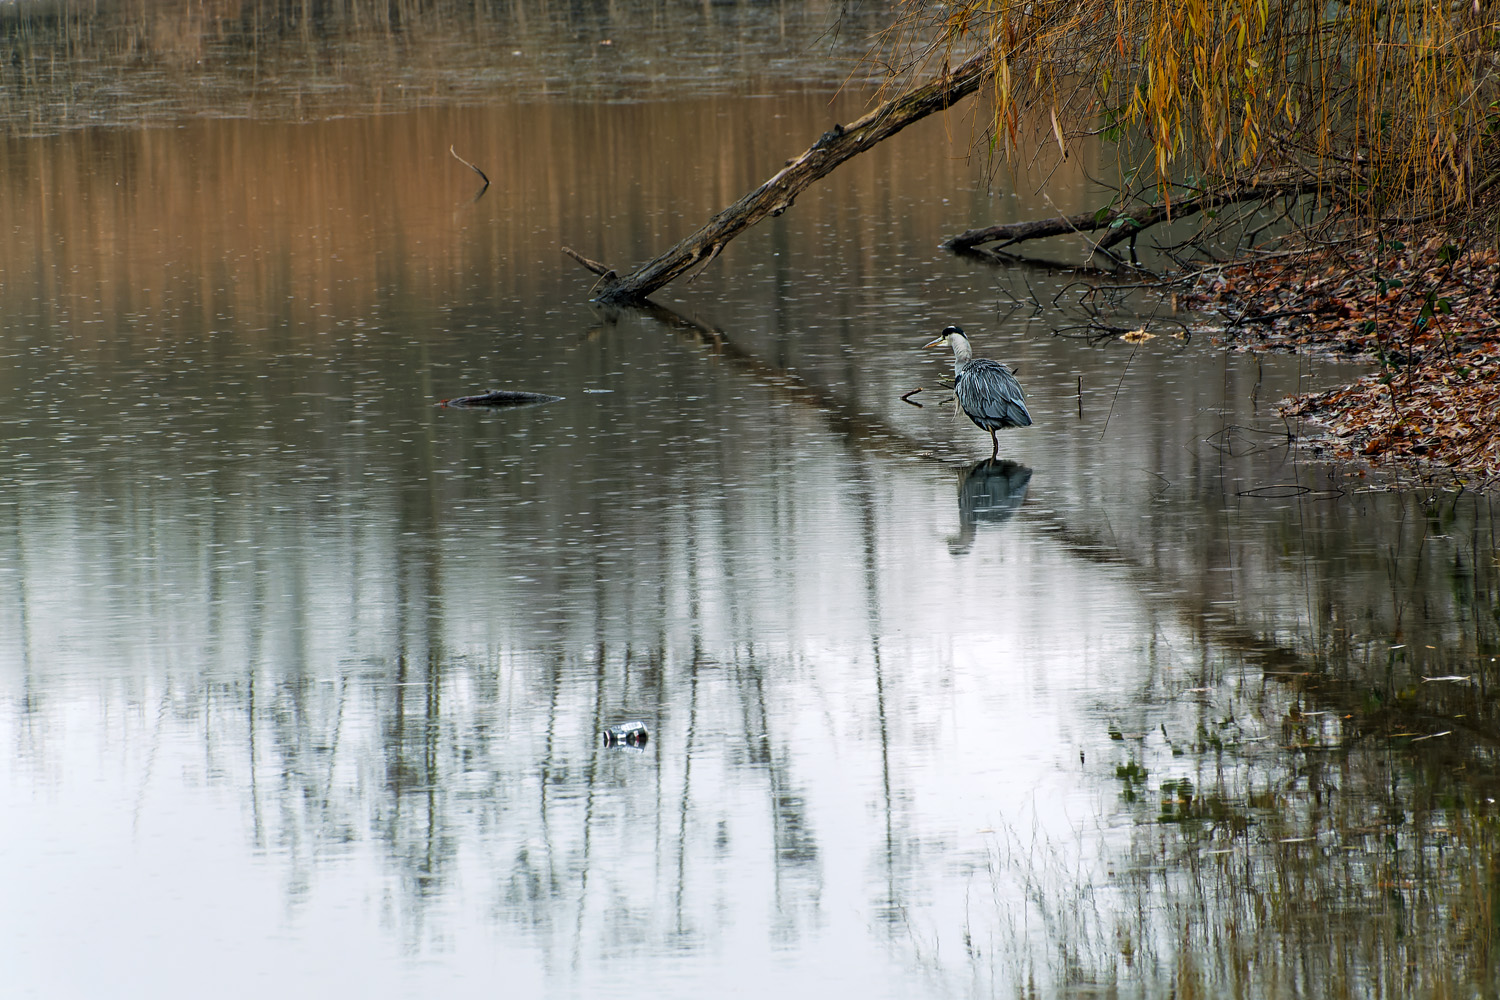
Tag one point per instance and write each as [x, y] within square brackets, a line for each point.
[303, 675]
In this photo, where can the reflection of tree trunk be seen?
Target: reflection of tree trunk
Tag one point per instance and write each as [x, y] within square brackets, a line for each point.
[23, 606]
[689, 754]
[844, 419]
[431, 735]
[591, 787]
[777, 194]
[869, 549]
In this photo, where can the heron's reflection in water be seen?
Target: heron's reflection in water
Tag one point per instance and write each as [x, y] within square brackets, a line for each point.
[989, 491]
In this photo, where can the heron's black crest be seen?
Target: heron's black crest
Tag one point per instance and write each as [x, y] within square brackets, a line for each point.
[952, 329]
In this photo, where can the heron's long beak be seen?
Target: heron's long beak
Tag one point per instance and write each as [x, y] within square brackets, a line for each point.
[940, 342]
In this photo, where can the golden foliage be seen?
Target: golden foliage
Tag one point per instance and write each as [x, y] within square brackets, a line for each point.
[1399, 96]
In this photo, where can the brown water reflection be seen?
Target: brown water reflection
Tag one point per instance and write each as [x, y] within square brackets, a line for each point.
[302, 676]
[279, 223]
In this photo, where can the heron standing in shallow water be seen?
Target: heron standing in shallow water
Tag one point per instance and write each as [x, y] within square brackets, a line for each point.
[986, 390]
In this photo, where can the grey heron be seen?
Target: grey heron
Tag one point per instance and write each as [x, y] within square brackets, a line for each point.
[986, 390]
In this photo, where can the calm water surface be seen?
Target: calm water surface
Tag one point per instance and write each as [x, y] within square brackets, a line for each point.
[301, 676]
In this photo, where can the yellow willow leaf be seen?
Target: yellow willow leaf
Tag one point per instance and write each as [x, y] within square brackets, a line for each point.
[1057, 131]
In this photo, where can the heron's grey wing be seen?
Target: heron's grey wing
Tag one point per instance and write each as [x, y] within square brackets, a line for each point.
[990, 394]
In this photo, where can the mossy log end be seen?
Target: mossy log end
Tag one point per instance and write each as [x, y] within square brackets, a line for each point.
[1124, 223]
[777, 194]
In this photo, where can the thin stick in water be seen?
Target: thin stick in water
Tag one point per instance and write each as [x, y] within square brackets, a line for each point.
[460, 159]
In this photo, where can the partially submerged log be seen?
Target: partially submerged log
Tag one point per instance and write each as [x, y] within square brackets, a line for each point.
[499, 397]
[1126, 223]
[842, 142]
[777, 194]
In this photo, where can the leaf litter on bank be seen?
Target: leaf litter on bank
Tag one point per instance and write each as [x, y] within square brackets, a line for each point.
[1426, 315]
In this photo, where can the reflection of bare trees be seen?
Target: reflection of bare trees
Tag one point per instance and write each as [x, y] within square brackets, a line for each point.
[1293, 810]
[373, 653]
[477, 771]
[377, 676]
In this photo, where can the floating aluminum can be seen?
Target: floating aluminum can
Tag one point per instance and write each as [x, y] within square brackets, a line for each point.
[630, 734]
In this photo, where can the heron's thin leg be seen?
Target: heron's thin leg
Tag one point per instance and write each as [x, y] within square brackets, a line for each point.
[994, 445]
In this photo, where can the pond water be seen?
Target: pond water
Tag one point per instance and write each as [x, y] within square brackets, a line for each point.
[302, 677]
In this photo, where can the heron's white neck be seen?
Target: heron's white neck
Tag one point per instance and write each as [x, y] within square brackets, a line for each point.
[962, 352]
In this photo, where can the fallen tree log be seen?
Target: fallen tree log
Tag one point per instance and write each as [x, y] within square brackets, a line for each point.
[777, 194]
[1125, 223]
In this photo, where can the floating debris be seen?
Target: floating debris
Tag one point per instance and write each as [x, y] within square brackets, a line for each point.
[499, 397]
[630, 734]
